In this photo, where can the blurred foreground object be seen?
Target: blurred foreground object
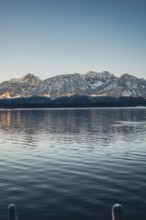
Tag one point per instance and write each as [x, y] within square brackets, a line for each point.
[117, 212]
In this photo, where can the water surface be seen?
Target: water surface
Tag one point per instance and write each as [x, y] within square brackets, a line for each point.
[73, 163]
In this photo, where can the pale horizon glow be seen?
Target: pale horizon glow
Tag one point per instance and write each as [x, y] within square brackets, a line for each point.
[52, 37]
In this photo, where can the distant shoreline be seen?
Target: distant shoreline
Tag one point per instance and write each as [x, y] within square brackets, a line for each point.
[75, 101]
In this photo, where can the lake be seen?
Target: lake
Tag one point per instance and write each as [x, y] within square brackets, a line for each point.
[65, 164]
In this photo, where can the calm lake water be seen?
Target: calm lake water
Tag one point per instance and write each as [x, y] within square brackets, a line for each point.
[65, 164]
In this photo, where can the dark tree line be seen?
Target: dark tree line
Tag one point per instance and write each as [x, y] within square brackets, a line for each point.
[72, 101]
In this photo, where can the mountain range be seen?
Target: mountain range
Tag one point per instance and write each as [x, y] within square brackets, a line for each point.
[93, 84]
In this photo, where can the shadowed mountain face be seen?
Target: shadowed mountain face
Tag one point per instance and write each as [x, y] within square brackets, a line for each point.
[91, 83]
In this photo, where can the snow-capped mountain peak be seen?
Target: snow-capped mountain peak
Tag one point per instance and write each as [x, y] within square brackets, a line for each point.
[30, 78]
[99, 75]
[91, 83]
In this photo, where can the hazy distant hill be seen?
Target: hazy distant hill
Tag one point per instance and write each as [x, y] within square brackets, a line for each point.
[89, 84]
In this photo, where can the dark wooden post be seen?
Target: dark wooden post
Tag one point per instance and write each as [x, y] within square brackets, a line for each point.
[12, 214]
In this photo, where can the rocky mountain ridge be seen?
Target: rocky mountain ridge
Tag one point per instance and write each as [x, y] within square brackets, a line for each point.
[90, 84]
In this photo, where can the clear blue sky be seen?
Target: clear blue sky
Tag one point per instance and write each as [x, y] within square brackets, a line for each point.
[51, 37]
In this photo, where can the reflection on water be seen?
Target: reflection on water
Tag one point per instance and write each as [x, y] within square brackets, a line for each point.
[73, 163]
[113, 123]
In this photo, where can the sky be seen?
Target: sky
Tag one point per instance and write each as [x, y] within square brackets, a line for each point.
[51, 37]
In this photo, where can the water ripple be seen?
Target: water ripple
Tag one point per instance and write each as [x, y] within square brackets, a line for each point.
[67, 164]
